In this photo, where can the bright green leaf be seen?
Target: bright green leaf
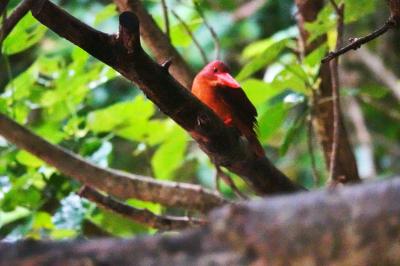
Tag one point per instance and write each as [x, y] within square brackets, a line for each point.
[25, 158]
[170, 155]
[262, 60]
[25, 34]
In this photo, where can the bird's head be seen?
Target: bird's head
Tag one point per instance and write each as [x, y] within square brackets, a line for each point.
[217, 74]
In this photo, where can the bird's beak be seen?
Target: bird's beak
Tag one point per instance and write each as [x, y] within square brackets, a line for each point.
[227, 80]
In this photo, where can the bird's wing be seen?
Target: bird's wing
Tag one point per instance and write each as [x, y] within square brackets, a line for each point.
[240, 105]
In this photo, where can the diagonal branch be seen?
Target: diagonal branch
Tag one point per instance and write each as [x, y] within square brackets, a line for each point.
[116, 183]
[192, 36]
[124, 53]
[356, 43]
[141, 216]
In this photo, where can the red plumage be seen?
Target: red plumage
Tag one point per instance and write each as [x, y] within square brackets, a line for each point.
[216, 88]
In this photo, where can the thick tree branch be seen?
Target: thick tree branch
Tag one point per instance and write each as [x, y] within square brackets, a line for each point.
[142, 216]
[356, 225]
[158, 42]
[223, 145]
[116, 183]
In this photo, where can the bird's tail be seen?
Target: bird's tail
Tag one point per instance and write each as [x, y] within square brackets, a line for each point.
[255, 144]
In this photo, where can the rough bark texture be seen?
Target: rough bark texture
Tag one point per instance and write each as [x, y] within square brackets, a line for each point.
[323, 108]
[158, 42]
[124, 53]
[119, 184]
[355, 225]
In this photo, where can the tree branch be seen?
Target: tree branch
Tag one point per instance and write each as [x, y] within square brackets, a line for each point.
[194, 39]
[142, 216]
[158, 42]
[356, 43]
[217, 44]
[322, 98]
[334, 178]
[356, 225]
[222, 144]
[116, 183]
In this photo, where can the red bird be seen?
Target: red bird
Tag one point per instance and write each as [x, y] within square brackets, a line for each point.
[216, 88]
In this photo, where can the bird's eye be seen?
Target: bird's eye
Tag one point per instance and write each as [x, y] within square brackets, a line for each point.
[215, 70]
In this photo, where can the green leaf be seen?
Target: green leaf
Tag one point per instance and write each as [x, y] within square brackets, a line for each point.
[354, 10]
[42, 220]
[153, 207]
[25, 158]
[326, 21]
[259, 47]
[107, 12]
[115, 224]
[12, 216]
[179, 36]
[262, 60]
[126, 119]
[25, 34]
[259, 91]
[287, 79]
[271, 120]
[292, 133]
[170, 155]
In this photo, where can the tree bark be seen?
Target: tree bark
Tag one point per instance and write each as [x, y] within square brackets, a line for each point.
[323, 108]
[355, 225]
[125, 54]
[158, 42]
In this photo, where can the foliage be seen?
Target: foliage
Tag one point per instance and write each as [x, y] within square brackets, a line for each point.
[67, 97]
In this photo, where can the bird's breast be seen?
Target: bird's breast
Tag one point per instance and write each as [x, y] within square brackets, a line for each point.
[211, 98]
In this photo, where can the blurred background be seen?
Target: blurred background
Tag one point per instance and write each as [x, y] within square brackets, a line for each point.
[71, 99]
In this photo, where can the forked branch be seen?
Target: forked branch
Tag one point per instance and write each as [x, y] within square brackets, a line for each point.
[223, 145]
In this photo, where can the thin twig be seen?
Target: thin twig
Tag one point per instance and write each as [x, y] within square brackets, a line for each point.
[228, 180]
[311, 151]
[142, 216]
[19, 12]
[190, 33]
[336, 97]
[356, 43]
[211, 29]
[166, 18]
